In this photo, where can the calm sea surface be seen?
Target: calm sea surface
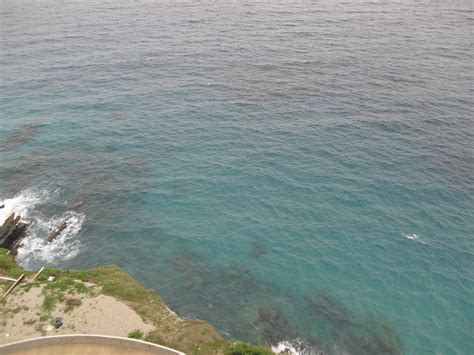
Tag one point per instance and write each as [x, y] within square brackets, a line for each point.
[287, 170]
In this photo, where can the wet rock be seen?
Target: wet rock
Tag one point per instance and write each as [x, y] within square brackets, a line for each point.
[12, 233]
[57, 232]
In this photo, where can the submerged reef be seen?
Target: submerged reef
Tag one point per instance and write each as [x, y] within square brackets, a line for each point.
[371, 334]
[273, 325]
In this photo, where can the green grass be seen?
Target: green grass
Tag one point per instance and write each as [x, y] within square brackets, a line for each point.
[44, 317]
[167, 329]
[48, 303]
[136, 334]
[8, 265]
[115, 282]
[18, 309]
[191, 336]
[71, 303]
[153, 338]
[60, 284]
[80, 287]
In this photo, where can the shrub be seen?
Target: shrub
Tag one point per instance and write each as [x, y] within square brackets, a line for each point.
[135, 334]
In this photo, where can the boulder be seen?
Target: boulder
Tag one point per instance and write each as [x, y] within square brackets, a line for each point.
[12, 233]
[57, 232]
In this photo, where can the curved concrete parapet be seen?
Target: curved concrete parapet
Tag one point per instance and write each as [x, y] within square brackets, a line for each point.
[85, 344]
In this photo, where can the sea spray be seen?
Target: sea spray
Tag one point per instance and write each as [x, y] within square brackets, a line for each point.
[35, 248]
[22, 204]
[295, 347]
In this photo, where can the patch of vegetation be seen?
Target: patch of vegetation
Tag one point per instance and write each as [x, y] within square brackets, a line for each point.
[60, 284]
[80, 287]
[136, 334]
[71, 303]
[18, 309]
[238, 348]
[144, 313]
[27, 287]
[48, 303]
[153, 338]
[193, 337]
[115, 282]
[44, 317]
[215, 346]
[167, 329]
[8, 265]
[42, 277]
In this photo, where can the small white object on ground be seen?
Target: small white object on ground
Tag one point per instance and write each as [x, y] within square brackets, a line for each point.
[51, 278]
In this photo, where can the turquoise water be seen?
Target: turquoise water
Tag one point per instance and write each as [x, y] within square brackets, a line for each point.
[287, 171]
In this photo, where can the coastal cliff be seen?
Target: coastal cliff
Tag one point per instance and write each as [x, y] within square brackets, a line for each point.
[102, 300]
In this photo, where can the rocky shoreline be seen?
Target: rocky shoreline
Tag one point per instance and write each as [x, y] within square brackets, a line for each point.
[85, 297]
[12, 233]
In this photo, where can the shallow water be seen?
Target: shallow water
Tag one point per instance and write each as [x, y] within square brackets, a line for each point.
[288, 171]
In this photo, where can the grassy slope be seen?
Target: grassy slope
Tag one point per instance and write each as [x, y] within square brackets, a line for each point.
[190, 336]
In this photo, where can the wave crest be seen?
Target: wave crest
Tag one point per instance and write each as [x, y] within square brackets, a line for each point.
[295, 347]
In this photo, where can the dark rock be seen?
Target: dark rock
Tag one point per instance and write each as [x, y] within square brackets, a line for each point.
[12, 233]
[58, 322]
[58, 231]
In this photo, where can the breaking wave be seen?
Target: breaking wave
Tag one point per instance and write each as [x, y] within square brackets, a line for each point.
[295, 347]
[23, 204]
[35, 247]
[414, 237]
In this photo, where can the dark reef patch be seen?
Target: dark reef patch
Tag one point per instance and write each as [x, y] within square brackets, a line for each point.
[257, 250]
[273, 325]
[371, 334]
[20, 136]
[333, 311]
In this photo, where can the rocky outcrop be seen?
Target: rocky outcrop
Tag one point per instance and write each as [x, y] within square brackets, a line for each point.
[12, 233]
[57, 232]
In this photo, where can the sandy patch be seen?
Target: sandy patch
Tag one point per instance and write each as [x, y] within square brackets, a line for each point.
[21, 317]
[103, 315]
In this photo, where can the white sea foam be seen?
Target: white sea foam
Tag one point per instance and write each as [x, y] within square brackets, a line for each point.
[36, 249]
[22, 204]
[285, 346]
[414, 237]
[294, 347]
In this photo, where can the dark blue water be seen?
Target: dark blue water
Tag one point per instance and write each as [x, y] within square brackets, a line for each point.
[288, 171]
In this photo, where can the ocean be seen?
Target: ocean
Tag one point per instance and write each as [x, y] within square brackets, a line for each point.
[296, 173]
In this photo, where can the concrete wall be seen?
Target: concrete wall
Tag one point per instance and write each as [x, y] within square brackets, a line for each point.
[101, 342]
